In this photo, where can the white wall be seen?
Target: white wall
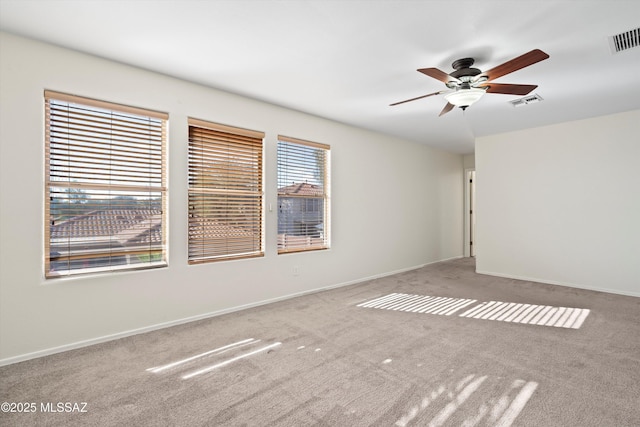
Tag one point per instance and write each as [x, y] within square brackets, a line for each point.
[469, 161]
[561, 204]
[396, 205]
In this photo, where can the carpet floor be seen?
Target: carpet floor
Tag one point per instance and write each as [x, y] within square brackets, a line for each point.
[436, 346]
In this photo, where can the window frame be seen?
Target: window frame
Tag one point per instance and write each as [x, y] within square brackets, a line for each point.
[99, 259]
[325, 199]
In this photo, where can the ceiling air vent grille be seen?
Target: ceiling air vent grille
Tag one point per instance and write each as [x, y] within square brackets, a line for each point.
[623, 41]
[529, 99]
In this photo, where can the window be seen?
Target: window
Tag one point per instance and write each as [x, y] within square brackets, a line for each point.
[105, 201]
[225, 192]
[303, 195]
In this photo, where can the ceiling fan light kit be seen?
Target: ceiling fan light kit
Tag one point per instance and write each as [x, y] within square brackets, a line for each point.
[467, 85]
[463, 98]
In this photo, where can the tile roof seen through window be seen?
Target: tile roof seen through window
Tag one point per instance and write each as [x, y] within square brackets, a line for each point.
[126, 226]
[301, 189]
[207, 228]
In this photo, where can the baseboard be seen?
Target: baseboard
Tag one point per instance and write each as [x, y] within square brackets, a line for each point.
[446, 259]
[559, 283]
[155, 327]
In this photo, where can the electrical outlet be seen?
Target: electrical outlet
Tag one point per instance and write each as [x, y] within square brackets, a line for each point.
[296, 270]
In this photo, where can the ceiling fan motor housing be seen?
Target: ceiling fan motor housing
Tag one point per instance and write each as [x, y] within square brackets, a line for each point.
[463, 69]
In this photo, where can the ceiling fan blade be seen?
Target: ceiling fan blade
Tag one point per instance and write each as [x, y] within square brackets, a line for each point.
[438, 75]
[515, 64]
[418, 97]
[446, 109]
[508, 89]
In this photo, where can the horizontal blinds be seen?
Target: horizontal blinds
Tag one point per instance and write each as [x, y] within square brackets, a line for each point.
[303, 196]
[225, 192]
[105, 182]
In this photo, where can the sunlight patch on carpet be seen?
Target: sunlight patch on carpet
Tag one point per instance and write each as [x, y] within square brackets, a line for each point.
[478, 396]
[228, 361]
[419, 303]
[530, 314]
[198, 360]
[218, 350]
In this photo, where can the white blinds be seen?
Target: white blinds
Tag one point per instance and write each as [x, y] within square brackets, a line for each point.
[105, 186]
[225, 192]
[303, 195]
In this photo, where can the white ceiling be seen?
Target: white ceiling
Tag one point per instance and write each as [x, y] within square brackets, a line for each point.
[348, 60]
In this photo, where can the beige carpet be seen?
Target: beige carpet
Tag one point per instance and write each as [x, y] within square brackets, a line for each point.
[438, 346]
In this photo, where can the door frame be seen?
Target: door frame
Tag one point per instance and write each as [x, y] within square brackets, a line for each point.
[469, 217]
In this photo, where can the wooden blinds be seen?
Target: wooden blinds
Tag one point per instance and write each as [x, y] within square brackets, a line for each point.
[303, 195]
[105, 205]
[225, 192]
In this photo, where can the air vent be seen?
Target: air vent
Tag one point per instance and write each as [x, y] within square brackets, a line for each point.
[529, 99]
[623, 41]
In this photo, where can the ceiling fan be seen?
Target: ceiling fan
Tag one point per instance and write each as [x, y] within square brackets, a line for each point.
[467, 85]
